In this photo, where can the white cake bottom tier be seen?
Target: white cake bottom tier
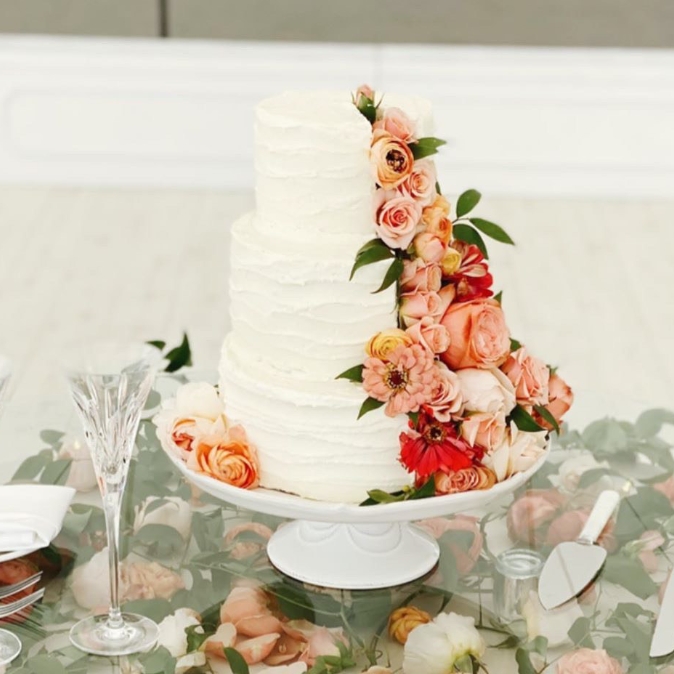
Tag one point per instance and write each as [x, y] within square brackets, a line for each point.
[309, 439]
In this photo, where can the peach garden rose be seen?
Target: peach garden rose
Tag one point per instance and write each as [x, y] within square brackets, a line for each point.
[530, 377]
[420, 184]
[415, 306]
[433, 215]
[429, 247]
[588, 661]
[397, 123]
[430, 335]
[396, 219]
[419, 276]
[529, 515]
[560, 399]
[391, 159]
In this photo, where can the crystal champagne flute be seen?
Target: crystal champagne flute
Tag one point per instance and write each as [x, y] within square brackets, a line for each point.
[110, 384]
[10, 646]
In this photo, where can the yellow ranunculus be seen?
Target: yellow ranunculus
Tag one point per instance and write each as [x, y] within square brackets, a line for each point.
[385, 341]
[403, 620]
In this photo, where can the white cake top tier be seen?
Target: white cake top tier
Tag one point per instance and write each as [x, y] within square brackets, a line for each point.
[313, 178]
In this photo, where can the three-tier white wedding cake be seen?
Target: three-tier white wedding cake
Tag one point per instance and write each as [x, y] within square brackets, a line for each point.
[297, 319]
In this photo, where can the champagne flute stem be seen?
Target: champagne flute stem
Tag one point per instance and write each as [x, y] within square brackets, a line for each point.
[112, 503]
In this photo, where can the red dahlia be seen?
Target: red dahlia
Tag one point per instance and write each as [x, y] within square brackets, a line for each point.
[434, 446]
[472, 279]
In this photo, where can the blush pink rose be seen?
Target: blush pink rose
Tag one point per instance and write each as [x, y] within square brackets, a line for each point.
[588, 661]
[396, 218]
[529, 514]
[478, 334]
[666, 488]
[420, 185]
[485, 429]
[364, 91]
[414, 306]
[429, 334]
[446, 399]
[465, 559]
[530, 377]
[560, 400]
[568, 525]
[429, 247]
[418, 276]
[398, 124]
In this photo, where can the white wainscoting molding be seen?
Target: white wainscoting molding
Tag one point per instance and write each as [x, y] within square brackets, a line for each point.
[151, 113]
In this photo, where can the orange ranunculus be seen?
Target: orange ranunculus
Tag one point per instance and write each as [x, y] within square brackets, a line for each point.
[403, 620]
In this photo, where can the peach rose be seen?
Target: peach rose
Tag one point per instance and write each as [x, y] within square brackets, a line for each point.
[403, 620]
[386, 341]
[224, 637]
[418, 276]
[242, 602]
[529, 514]
[429, 247]
[432, 215]
[530, 377]
[588, 661]
[484, 429]
[149, 580]
[466, 479]
[666, 488]
[391, 159]
[561, 399]
[396, 218]
[568, 525]
[465, 559]
[478, 333]
[396, 123]
[446, 399]
[242, 549]
[320, 641]
[431, 335]
[420, 185]
[414, 306]
[227, 457]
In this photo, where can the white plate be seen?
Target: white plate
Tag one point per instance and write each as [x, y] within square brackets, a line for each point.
[15, 554]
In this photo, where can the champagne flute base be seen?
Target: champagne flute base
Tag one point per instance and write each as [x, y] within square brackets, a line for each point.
[93, 635]
[10, 647]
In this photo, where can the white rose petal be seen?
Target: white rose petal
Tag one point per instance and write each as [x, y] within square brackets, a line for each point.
[195, 659]
[174, 512]
[571, 470]
[433, 648]
[90, 584]
[486, 391]
[81, 475]
[517, 453]
[172, 630]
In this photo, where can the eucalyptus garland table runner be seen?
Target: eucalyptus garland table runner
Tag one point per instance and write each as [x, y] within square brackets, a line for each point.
[198, 566]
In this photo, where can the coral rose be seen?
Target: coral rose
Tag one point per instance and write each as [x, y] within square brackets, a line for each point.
[414, 306]
[404, 381]
[386, 341]
[227, 457]
[568, 525]
[395, 122]
[530, 377]
[429, 334]
[529, 514]
[478, 333]
[391, 159]
[560, 400]
[447, 399]
[418, 276]
[588, 661]
[420, 185]
[396, 218]
[432, 215]
[404, 619]
[465, 556]
[472, 478]
[485, 429]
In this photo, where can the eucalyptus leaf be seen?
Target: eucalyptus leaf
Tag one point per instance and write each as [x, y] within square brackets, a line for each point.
[524, 664]
[159, 536]
[31, 467]
[392, 275]
[470, 235]
[467, 202]
[56, 472]
[580, 631]
[425, 147]
[158, 661]
[51, 437]
[618, 647]
[354, 374]
[155, 609]
[638, 635]
[369, 405]
[45, 664]
[605, 436]
[538, 645]
[650, 422]
[523, 420]
[630, 574]
[492, 230]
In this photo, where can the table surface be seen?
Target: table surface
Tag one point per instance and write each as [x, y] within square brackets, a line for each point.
[586, 286]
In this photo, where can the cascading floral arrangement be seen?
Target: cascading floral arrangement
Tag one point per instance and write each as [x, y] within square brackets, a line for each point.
[480, 406]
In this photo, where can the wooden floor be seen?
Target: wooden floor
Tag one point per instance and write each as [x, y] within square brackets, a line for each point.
[589, 287]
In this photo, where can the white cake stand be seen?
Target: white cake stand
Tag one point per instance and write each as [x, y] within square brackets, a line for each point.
[347, 546]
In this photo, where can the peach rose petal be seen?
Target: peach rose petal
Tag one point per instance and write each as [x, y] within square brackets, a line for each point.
[286, 648]
[224, 637]
[258, 625]
[257, 649]
[243, 602]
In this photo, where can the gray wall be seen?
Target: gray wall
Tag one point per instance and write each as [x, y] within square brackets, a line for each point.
[619, 23]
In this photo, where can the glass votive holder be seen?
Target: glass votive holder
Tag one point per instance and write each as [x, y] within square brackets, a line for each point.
[516, 575]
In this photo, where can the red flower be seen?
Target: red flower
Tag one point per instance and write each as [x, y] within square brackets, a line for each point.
[472, 279]
[434, 446]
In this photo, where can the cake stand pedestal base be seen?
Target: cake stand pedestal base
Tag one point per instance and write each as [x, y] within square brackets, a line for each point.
[352, 556]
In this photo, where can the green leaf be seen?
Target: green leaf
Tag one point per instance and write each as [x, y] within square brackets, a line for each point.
[160, 537]
[618, 647]
[155, 609]
[492, 230]
[538, 645]
[51, 437]
[373, 251]
[469, 235]
[380, 496]
[236, 661]
[354, 374]
[425, 491]
[392, 275]
[45, 664]
[515, 344]
[524, 421]
[437, 187]
[605, 436]
[293, 601]
[545, 413]
[157, 343]
[369, 405]
[157, 661]
[32, 467]
[499, 297]
[630, 574]
[367, 108]
[180, 356]
[464, 664]
[467, 202]
[56, 472]
[523, 659]
[196, 635]
[425, 147]
[650, 422]
[580, 632]
[638, 635]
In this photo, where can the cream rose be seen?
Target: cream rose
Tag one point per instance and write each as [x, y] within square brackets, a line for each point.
[530, 377]
[381, 344]
[391, 159]
[418, 276]
[420, 185]
[572, 469]
[518, 452]
[588, 661]
[395, 122]
[173, 512]
[81, 475]
[172, 634]
[396, 218]
[486, 391]
[434, 648]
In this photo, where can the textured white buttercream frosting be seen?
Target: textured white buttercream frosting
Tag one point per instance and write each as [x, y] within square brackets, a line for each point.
[297, 320]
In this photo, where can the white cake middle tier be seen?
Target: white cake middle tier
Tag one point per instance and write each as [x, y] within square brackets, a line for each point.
[295, 311]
